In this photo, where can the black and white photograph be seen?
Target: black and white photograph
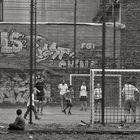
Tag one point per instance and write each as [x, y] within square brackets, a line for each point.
[69, 69]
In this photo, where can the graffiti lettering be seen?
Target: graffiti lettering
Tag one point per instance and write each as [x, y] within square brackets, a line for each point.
[13, 42]
[87, 46]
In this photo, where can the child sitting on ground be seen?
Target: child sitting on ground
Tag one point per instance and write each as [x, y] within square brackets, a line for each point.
[19, 123]
[68, 97]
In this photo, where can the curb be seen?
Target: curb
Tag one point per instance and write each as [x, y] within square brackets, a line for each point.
[122, 132]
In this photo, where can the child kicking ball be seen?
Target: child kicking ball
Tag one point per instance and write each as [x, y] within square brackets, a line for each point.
[69, 96]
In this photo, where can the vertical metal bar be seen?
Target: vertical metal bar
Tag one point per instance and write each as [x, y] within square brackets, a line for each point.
[103, 59]
[2, 10]
[35, 26]
[75, 29]
[114, 35]
[31, 57]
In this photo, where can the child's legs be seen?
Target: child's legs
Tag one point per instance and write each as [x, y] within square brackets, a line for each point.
[126, 109]
[27, 111]
[42, 106]
[70, 106]
[12, 126]
[62, 101]
[82, 104]
[34, 110]
[95, 105]
[85, 105]
[67, 105]
[133, 106]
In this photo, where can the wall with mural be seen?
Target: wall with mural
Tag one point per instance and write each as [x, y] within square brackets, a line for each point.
[55, 44]
[14, 86]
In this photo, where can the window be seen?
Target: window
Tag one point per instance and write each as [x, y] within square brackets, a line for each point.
[1, 10]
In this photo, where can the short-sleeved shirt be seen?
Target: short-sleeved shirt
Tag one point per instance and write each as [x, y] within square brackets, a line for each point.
[83, 90]
[69, 95]
[40, 87]
[98, 93]
[20, 122]
[128, 91]
[63, 88]
[33, 100]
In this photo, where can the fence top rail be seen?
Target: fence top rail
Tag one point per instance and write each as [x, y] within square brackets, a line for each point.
[108, 24]
[117, 70]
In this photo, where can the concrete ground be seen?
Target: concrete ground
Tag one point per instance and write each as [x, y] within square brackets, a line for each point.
[53, 114]
[50, 115]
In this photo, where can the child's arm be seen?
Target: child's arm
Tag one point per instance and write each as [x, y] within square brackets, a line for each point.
[36, 90]
[16, 120]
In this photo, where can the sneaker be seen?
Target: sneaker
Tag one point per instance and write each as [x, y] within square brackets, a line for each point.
[134, 121]
[64, 111]
[37, 118]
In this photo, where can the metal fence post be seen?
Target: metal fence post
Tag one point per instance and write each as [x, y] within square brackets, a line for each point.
[31, 57]
[103, 59]
[75, 30]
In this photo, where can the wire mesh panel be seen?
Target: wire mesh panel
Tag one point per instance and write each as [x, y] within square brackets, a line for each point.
[76, 81]
[121, 96]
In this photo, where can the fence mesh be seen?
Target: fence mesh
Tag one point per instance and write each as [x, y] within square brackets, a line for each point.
[121, 96]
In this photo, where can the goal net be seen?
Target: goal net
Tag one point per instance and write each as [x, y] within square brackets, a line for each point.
[114, 81]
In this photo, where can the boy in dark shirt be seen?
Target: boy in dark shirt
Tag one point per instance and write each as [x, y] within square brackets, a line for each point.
[40, 94]
[19, 123]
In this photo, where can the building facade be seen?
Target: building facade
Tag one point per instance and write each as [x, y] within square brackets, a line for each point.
[55, 37]
[130, 42]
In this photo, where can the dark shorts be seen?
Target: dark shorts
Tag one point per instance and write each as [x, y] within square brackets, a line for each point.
[69, 104]
[130, 104]
[96, 101]
[83, 98]
[40, 98]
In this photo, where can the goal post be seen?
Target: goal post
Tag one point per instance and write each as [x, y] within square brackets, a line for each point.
[115, 79]
[82, 77]
[114, 82]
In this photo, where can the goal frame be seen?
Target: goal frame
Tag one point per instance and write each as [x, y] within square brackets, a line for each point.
[92, 74]
[92, 90]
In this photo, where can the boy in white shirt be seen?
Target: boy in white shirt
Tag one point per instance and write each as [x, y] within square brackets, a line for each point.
[63, 87]
[32, 107]
[130, 103]
[97, 97]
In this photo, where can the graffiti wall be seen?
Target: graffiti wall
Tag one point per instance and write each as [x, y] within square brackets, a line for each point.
[14, 87]
[55, 43]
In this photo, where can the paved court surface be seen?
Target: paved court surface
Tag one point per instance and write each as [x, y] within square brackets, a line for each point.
[53, 114]
[50, 115]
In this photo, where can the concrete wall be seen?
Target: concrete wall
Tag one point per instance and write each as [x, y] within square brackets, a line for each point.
[55, 44]
[51, 10]
[130, 36]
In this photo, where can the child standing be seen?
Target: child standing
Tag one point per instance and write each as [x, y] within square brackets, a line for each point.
[32, 107]
[83, 96]
[19, 123]
[69, 95]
